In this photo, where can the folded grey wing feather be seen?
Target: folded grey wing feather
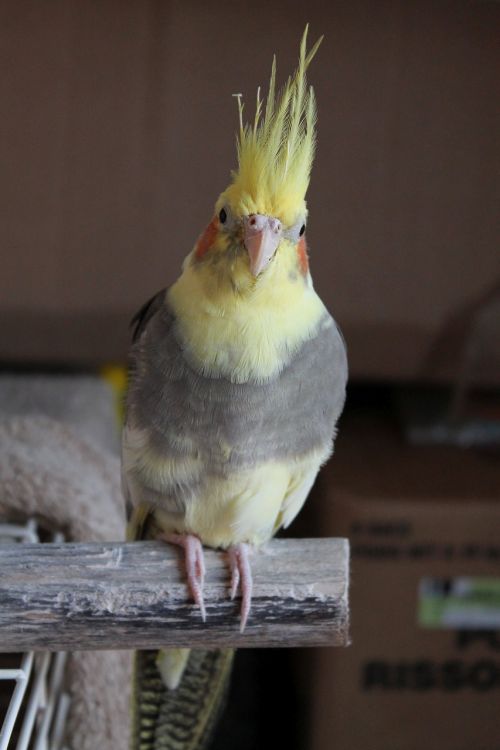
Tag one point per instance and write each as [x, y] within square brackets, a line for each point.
[145, 313]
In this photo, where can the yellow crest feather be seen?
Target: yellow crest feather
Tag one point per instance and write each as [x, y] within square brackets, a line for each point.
[276, 152]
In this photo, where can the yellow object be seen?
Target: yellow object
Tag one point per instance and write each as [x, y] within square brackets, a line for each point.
[276, 152]
[116, 376]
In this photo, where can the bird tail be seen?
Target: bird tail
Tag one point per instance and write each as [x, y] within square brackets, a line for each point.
[178, 694]
[182, 718]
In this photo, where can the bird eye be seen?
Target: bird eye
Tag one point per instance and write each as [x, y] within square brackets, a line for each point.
[222, 216]
[302, 230]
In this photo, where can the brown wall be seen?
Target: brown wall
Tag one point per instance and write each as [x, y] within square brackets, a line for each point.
[118, 133]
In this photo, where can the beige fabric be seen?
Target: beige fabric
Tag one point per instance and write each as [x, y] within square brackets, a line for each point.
[47, 471]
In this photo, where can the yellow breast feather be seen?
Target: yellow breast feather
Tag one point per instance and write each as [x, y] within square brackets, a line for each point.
[248, 505]
[245, 336]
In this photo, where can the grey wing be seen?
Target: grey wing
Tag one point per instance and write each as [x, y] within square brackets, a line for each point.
[145, 313]
[153, 471]
[139, 324]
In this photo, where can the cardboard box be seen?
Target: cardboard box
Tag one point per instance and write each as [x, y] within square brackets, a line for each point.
[403, 685]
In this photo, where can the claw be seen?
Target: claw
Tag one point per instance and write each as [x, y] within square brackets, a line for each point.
[195, 565]
[235, 572]
[241, 571]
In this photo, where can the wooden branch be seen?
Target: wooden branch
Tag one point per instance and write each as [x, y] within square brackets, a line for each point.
[60, 597]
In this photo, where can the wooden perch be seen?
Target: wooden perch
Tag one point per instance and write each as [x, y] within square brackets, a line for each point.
[60, 597]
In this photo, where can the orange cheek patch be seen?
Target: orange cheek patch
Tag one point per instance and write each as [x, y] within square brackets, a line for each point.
[302, 254]
[207, 239]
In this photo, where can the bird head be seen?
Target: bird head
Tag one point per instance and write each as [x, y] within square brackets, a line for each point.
[263, 210]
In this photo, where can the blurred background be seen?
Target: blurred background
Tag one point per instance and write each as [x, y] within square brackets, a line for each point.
[117, 135]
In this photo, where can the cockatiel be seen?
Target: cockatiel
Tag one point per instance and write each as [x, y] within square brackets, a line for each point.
[238, 377]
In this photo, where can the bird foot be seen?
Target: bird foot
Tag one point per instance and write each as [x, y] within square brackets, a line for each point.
[241, 575]
[195, 565]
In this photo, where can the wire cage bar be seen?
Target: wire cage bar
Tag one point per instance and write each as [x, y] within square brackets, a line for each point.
[38, 705]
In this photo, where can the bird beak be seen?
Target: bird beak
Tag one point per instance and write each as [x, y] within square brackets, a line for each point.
[262, 235]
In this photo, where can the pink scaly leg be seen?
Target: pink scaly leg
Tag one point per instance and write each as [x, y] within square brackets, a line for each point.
[195, 565]
[241, 572]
